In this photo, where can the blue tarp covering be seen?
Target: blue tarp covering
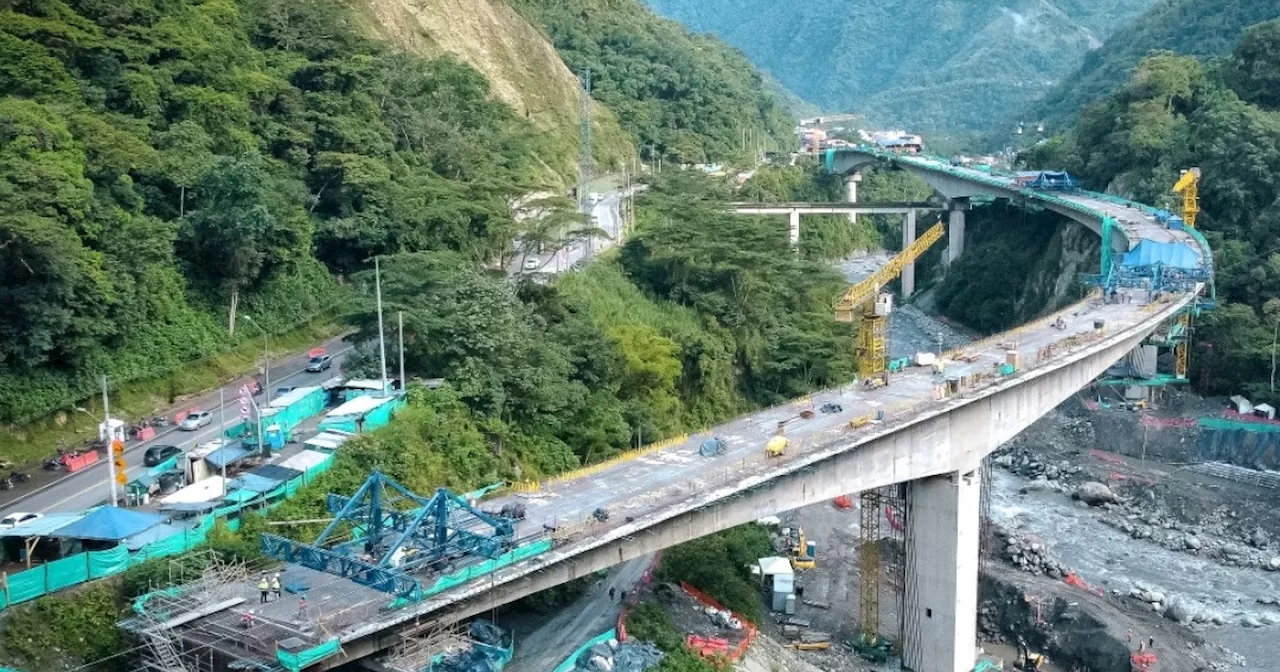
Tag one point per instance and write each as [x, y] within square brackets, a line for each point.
[41, 526]
[156, 533]
[109, 523]
[264, 478]
[226, 455]
[1173, 255]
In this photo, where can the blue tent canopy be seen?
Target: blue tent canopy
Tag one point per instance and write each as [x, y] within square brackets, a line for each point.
[227, 455]
[109, 523]
[1174, 255]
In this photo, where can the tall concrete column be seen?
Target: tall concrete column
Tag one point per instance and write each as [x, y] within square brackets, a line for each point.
[942, 573]
[955, 228]
[851, 193]
[908, 271]
[793, 231]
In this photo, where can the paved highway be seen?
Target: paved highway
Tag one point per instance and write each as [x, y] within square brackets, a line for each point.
[606, 215]
[87, 488]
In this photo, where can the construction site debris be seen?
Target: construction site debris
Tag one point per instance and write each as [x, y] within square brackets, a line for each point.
[614, 656]
[1029, 554]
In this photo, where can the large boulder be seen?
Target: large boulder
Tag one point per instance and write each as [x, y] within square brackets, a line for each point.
[1094, 493]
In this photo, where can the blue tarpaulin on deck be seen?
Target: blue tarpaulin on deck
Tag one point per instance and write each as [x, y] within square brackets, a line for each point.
[109, 523]
[1174, 255]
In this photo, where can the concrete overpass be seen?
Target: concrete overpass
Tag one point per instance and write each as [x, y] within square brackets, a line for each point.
[852, 209]
[928, 432]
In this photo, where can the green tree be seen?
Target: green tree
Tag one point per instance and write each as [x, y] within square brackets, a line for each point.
[224, 240]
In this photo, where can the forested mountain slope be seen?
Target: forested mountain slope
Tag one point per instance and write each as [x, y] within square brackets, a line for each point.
[921, 63]
[1189, 27]
[522, 67]
[1175, 112]
[685, 97]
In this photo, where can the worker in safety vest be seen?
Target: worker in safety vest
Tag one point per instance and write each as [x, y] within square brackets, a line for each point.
[264, 588]
[275, 584]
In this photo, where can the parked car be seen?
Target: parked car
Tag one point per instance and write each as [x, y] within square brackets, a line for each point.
[319, 363]
[532, 264]
[195, 420]
[157, 454]
[15, 519]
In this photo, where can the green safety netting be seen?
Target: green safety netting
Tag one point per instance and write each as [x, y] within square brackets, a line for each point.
[466, 574]
[59, 574]
[571, 662]
[299, 660]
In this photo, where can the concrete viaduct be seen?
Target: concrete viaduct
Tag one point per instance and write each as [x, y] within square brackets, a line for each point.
[928, 434]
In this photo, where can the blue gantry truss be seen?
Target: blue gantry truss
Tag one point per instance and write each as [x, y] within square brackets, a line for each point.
[394, 534]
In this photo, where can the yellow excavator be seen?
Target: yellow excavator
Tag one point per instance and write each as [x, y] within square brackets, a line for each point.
[875, 307]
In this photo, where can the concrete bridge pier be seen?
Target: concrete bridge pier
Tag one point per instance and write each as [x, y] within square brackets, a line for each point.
[941, 591]
[851, 193]
[908, 271]
[956, 208]
[793, 230]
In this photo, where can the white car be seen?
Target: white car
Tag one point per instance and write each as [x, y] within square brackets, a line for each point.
[594, 198]
[532, 264]
[15, 519]
[195, 420]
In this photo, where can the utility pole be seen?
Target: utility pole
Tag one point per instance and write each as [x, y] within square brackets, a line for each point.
[222, 434]
[404, 384]
[111, 439]
[584, 143]
[382, 343]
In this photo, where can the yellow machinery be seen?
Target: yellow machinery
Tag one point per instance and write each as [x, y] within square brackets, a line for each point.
[1189, 186]
[802, 555]
[776, 446]
[876, 307]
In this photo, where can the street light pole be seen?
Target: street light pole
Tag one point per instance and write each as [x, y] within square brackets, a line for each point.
[382, 344]
[404, 385]
[222, 435]
[110, 437]
[266, 359]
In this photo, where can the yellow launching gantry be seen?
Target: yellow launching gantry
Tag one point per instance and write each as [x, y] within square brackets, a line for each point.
[876, 306]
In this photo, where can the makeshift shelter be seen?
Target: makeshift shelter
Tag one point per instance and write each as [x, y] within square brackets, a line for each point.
[777, 576]
[21, 541]
[108, 523]
[362, 414]
[328, 440]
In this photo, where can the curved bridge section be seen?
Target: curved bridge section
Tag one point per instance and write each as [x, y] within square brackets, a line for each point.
[925, 430]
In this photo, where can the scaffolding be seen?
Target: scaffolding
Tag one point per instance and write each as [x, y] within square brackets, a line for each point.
[880, 557]
[161, 612]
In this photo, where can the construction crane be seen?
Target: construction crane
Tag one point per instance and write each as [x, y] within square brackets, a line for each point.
[876, 306]
[1189, 186]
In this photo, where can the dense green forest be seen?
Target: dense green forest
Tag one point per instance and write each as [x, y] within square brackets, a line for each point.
[686, 98]
[932, 66]
[1188, 27]
[1176, 112]
[701, 316]
[159, 158]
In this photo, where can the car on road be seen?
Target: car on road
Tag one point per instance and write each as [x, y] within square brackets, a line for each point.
[319, 363]
[195, 420]
[18, 518]
[531, 264]
[157, 454]
[281, 391]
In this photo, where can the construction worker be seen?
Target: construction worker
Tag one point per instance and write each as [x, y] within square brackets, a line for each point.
[275, 585]
[264, 588]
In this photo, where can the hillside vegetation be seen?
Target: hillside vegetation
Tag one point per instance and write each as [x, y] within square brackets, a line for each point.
[1188, 27]
[684, 97]
[921, 63]
[1176, 112]
[160, 160]
[521, 65]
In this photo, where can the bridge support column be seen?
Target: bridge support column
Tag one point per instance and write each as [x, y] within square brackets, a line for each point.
[908, 271]
[955, 228]
[851, 193]
[793, 230]
[941, 605]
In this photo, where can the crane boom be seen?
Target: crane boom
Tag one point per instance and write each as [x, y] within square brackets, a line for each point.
[866, 290]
